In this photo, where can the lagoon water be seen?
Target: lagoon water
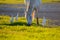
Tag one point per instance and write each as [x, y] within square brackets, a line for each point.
[50, 10]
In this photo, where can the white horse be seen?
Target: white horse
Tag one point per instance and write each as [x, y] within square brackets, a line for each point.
[32, 8]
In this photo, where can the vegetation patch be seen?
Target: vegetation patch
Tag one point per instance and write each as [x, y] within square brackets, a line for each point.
[20, 31]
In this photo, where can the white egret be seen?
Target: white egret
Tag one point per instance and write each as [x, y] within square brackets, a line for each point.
[44, 21]
[17, 17]
[12, 19]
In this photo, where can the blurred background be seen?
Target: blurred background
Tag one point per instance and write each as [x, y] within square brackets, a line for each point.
[49, 8]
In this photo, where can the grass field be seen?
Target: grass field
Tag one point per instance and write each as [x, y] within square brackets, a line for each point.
[22, 1]
[20, 31]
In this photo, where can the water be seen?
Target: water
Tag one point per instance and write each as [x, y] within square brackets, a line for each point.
[50, 10]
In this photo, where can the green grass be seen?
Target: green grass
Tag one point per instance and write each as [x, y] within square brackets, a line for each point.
[20, 31]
